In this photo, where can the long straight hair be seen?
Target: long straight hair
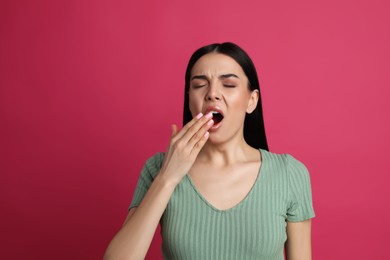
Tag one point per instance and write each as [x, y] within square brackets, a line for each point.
[254, 131]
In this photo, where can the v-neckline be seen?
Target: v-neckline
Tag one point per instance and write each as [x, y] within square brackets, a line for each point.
[259, 174]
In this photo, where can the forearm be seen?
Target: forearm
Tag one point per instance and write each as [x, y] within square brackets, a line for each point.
[134, 238]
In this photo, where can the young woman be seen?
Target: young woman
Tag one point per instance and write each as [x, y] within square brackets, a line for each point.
[217, 191]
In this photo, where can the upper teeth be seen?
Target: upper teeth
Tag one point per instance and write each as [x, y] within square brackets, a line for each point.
[214, 112]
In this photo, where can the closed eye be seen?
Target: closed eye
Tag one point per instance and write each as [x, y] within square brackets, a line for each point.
[229, 86]
[198, 86]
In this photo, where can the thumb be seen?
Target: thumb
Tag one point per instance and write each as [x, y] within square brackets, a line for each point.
[174, 130]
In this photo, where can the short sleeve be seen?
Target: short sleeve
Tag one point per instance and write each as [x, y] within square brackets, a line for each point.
[300, 205]
[149, 172]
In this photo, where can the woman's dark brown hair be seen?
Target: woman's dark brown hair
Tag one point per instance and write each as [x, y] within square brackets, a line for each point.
[254, 131]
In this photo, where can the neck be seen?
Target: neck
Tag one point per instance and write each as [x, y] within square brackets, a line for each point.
[231, 152]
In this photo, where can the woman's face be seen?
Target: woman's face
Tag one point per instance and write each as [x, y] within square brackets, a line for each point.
[219, 84]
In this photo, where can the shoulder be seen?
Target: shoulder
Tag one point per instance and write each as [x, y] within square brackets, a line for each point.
[157, 158]
[153, 164]
[296, 168]
[288, 162]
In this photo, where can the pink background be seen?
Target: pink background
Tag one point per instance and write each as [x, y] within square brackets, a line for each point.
[89, 90]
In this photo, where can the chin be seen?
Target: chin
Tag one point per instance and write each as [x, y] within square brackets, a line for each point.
[225, 134]
[215, 139]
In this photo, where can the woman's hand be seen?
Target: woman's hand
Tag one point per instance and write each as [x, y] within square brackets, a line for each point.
[184, 147]
[134, 238]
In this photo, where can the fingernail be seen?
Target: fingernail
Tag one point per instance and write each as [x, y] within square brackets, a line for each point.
[211, 122]
[209, 115]
[199, 115]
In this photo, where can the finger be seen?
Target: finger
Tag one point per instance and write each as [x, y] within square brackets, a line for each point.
[189, 125]
[174, 130]
[196, 127]
[199, 145]
[200, 133]
[173, 134]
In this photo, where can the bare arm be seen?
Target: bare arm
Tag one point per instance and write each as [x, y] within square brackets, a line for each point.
[298, 245]
[134, 238]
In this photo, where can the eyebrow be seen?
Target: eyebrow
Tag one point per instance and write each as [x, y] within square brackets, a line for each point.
[223, 76]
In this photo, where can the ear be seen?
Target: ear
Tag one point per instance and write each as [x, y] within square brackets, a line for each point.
[252, 104]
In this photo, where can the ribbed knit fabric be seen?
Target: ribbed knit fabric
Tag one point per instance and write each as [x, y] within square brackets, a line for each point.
[192, 228]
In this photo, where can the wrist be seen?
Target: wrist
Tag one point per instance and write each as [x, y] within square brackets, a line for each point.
[165, 181]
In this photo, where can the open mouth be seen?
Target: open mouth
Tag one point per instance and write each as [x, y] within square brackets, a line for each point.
[217, 117]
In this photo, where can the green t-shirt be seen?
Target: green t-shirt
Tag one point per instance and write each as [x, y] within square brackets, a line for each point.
[191, 228]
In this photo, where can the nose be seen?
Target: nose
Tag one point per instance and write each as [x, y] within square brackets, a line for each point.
[213, 93]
